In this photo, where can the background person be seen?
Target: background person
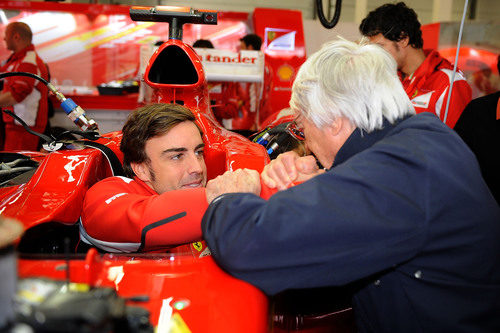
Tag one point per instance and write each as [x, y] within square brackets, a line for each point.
[409, 222]
[240, 112]
[203, 43]
[479, 127]
[251, 42]
[26, 96]
[426, 76]
[162, 202]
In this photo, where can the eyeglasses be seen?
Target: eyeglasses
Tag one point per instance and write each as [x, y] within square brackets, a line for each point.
[294, 130]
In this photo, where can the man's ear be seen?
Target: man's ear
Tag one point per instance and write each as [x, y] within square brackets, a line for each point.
[335, 127]
[141, 170]
[404, 42]
[341, 128]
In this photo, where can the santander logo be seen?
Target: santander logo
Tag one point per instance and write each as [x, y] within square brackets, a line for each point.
[225, 59]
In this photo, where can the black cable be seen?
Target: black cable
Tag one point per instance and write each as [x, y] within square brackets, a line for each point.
[26, 127]
[336, 16]
[13, 115]
[4, 75]
[90, 135]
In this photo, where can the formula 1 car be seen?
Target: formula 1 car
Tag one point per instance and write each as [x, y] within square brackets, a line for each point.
[183, 290]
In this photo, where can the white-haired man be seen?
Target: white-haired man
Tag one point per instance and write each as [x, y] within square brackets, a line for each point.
[401, 209]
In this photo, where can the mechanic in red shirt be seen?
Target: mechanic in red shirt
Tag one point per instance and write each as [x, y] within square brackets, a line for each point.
[162, 202]
[239, 102]
[426, 76]
[26, 96]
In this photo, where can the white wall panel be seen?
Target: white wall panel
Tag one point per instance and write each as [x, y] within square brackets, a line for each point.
[488, 10]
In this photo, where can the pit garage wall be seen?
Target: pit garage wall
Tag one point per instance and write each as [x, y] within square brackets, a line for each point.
[86, 45]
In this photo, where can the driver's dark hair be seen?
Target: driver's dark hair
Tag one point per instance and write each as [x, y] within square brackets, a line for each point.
[394, 21]
[145, 123]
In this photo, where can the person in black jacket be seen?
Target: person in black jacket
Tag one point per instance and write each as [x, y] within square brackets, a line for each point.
[401, 210]
[479, 127]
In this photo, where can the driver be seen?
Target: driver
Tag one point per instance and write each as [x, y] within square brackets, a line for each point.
[162, 201]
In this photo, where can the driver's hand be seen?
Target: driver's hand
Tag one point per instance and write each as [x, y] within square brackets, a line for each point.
[241, 180]
[287, 168]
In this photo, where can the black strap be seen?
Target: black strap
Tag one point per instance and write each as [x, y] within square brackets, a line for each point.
[114, 161]
[155, 225]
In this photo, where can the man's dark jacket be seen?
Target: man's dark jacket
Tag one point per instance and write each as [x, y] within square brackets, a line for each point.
[403, 209]
[479, 127]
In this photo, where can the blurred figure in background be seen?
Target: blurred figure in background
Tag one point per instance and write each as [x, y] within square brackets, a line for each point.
[251, 42]
[243, 98]
[479, 127]
[25, 96]
[203, 43]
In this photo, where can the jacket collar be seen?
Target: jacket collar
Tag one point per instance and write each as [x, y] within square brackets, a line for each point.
[359, 141]
[432, 62]
[21, 53]
[144, 186]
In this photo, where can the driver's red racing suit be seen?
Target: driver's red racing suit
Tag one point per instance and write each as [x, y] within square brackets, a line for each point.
[125, 215]
[428, 89]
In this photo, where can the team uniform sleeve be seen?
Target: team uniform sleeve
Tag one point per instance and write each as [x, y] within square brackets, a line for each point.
[461, 96]
[347, 224]
[114, 214]
[21, 86]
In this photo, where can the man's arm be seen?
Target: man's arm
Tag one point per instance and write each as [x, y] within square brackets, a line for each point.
[116, 212]
[330, 230]
[461, 96]
[6, 99]
[16, 88]
[241, 180]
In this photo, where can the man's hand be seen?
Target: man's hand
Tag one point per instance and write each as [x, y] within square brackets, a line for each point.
[6, 99]
[289, 167]
[241, 180]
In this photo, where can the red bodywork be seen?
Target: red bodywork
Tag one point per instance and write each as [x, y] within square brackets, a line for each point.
[212, 300]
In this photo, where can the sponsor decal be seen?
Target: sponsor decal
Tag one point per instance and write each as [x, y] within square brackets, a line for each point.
[198, 246]
[177, 324]
[228, 59]
[282, 88]
[285, 72]
[224, 65]
[422, 101]
[279, 39]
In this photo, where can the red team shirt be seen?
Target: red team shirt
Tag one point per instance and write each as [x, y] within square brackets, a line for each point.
[125, 215]
[428, 88]
[31, 97]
